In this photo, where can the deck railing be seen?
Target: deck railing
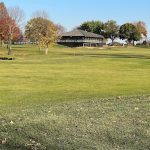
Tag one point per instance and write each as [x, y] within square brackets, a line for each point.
[79, 41]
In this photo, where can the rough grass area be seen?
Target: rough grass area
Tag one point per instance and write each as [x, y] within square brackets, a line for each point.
[75, 99]
[98, 124]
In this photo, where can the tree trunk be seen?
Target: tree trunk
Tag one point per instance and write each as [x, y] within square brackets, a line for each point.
[39, 45]
[112, 41]
[1, 43]
[46, 50]
[133, 43]
[10, 42]
[10, 50]
[9, 47]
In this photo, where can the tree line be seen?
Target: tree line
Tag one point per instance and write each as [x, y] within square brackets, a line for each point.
[130, 32]
[42, 31]
[39, 29]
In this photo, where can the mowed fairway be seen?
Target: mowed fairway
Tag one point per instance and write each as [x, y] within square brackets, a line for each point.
[75, 99]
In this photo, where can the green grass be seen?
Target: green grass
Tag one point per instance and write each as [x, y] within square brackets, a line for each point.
[75, 99]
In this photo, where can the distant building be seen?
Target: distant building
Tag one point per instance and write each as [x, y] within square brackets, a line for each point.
[80, 38]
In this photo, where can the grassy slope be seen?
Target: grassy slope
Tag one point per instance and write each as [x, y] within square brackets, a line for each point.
[34, 89]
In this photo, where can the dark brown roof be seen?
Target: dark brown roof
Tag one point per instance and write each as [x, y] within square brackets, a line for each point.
[81, 33]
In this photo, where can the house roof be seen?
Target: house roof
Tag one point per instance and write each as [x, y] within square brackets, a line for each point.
[81, 33]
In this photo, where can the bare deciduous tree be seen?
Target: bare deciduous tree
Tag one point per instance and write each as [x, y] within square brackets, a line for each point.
[40, 14]
[61, 29]
[17, 14]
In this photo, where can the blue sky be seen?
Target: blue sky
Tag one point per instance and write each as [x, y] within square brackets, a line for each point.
[71, 13]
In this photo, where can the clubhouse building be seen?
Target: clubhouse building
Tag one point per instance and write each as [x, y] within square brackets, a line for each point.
[80, 38]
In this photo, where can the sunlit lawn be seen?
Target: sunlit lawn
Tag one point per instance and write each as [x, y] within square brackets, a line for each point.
[75, 99]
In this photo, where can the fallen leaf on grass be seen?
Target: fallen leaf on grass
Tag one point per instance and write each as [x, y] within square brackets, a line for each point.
[4, 141]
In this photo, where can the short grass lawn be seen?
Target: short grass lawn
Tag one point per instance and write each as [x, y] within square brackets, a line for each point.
[75, 98]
